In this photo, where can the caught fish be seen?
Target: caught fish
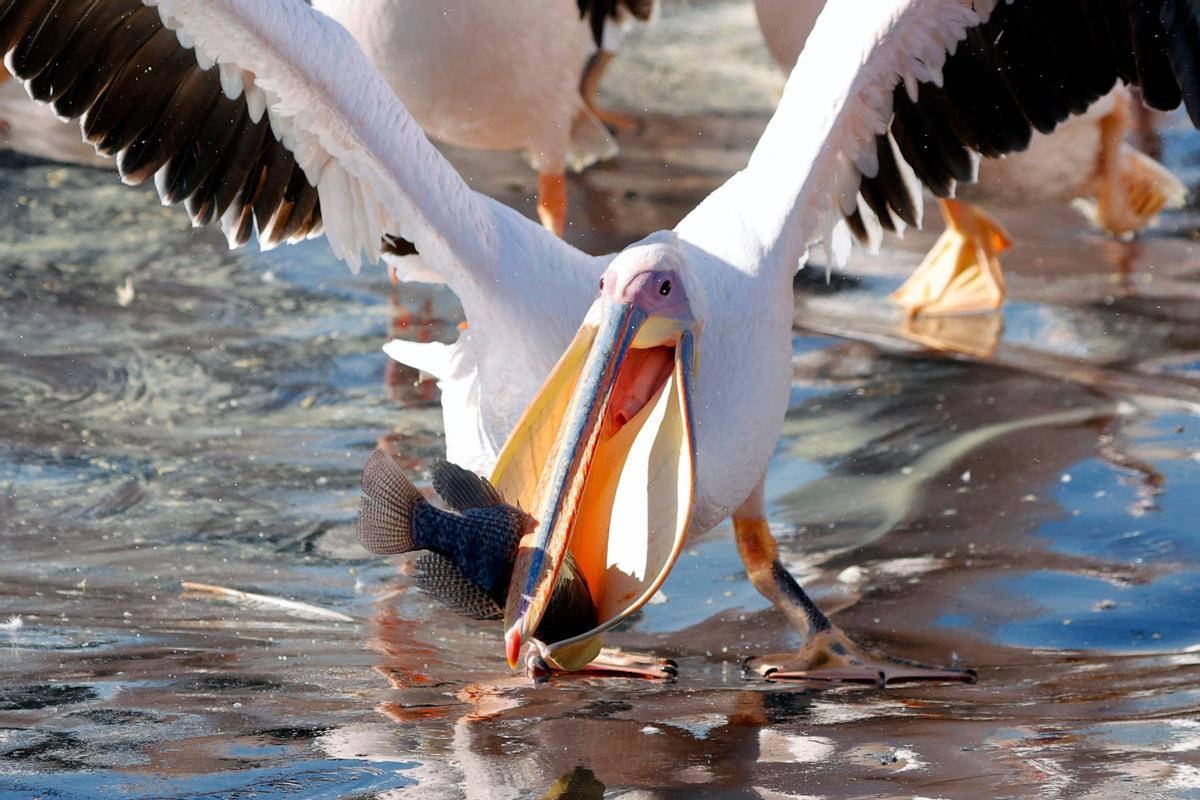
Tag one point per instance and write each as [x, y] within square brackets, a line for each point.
[470, 549]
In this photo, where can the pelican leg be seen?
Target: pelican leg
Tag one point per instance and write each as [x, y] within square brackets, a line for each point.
[611, 663]
[552, 201]
[589, 87]
[1131, 188]
[4, 126]
[827, 654]
[961, 274]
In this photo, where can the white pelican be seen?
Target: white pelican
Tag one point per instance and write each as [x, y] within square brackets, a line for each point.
[627, 401]
[486, 76]
[1085, 160]
[499, 76]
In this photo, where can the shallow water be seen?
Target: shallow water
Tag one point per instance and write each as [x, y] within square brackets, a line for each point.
[173, 412]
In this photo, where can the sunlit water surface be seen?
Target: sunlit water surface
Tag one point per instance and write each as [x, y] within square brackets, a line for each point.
[173, 412]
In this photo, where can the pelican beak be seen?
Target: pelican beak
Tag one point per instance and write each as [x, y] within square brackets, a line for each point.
[603, 459]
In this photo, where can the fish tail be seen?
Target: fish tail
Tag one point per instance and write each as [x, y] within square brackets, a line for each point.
[388, 507]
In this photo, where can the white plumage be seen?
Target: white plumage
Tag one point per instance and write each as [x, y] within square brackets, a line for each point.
[839, 98]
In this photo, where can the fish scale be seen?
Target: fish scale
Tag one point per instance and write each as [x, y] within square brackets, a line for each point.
[482, 542]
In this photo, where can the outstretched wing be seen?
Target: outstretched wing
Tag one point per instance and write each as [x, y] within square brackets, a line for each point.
[266, 116]
[892, 95]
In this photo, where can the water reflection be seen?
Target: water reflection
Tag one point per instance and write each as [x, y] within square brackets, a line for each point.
[974, 335]
[579, 784]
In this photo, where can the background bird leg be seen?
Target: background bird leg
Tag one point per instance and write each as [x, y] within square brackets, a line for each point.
[589, 88]
[961, 274]
[4, 76]
[552, 202]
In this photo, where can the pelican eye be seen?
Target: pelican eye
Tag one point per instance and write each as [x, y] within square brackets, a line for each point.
[665, 289]
[602, 283]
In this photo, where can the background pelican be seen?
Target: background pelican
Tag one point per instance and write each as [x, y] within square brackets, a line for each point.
[1086, 159]
[499, 76]
[227, 105]
[490, 77]
[33, 130]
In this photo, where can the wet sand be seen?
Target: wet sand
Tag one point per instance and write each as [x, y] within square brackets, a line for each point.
[170, 412]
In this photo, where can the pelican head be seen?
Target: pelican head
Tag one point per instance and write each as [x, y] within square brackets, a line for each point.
[603, 457]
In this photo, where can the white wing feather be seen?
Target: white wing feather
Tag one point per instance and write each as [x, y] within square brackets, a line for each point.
[806, 171]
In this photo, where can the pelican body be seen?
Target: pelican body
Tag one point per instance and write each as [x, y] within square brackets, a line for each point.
[489, 76]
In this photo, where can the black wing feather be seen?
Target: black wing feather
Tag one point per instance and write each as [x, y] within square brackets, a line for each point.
[74, 52]
[142, 97]
[1029, 67]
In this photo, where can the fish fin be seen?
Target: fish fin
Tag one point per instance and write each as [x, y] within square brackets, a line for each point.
[441, 579]
[572, 610]
[461, 488]
[386, 512]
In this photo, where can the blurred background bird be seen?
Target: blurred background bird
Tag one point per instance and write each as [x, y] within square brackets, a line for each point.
[502, 76]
